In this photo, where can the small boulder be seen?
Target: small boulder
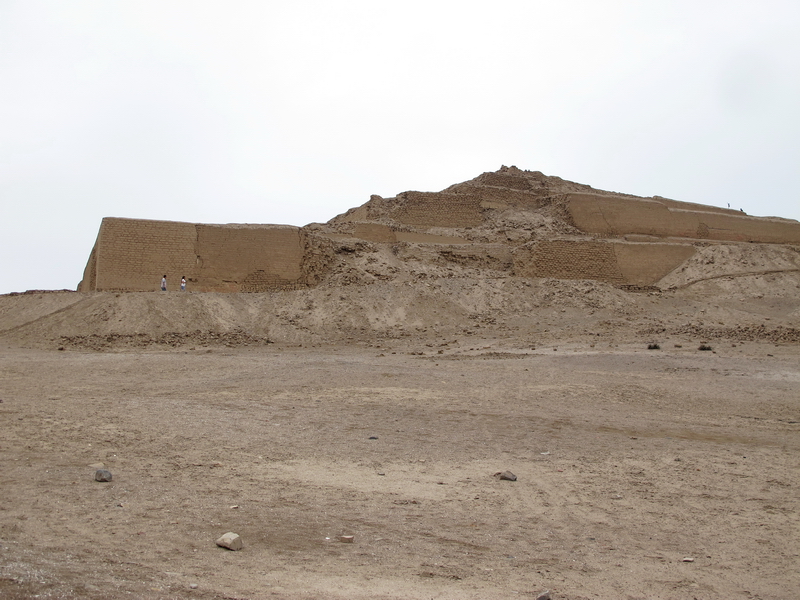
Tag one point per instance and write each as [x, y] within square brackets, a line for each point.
[231, 541]
[506, 476]
[102, 475]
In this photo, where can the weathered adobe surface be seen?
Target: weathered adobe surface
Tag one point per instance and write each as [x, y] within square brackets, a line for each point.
[509, 223]
[525, 224]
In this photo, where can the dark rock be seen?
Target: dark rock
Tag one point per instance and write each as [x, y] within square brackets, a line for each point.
[102, 475]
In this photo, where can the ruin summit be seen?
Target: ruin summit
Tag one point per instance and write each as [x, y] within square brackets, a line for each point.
[508, 223]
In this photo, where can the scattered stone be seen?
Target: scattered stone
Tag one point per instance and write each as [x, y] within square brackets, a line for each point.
[193, 586]
[373, 437]
[506, 475]
[346, 539]
[688, 559]
[102, 475]
[231, 541]
[544, 596]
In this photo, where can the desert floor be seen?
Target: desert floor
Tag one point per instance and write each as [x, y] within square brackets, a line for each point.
[641, 474]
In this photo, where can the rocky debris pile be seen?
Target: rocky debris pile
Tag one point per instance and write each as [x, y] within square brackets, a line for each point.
[100, 342]
[739, 333]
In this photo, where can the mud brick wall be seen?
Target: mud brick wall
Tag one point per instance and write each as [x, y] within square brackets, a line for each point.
[133, 254]
[645, 264]
[617, 216]
[567, 259]
[257, 258]
[614, 262]
[374, 232]
[509, 181]
[428, 209]
[508, 197]
[429, 238]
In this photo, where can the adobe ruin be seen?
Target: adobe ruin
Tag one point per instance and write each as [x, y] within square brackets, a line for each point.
[508, 223]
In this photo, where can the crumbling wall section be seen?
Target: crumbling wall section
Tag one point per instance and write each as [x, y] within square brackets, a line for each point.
[89, 281]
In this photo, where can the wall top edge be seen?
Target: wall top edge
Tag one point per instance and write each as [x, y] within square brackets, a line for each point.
[222, 225]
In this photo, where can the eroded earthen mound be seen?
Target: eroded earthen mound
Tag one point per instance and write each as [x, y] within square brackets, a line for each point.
[513, 255]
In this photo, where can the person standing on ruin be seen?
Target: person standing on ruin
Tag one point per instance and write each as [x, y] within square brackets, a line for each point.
[164, 283]
[183, 283]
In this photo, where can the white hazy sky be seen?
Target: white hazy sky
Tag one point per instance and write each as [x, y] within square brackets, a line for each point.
[294, 111]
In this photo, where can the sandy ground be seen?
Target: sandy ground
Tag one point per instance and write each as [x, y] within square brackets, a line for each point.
[382, 404]
[656, 474]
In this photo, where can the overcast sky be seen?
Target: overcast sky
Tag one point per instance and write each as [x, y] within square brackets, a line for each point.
[293, 112]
